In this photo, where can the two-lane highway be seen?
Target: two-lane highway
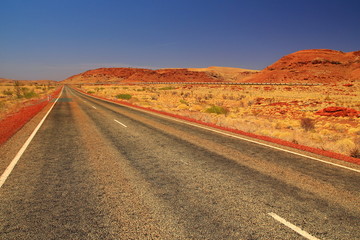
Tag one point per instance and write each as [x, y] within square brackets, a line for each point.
[98, 170]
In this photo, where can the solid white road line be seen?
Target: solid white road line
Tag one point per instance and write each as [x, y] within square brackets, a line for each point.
[292, 226]
[120, 123]
[238, 137]
[93, 107]
[11, 166]
[270, 146]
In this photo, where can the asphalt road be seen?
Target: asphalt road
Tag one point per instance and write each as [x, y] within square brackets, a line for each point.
[97, 170]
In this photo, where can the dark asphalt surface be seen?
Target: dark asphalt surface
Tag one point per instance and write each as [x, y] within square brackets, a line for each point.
[86, 176]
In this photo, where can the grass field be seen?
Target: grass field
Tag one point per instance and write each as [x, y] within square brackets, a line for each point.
[284, 112]
[15, 96]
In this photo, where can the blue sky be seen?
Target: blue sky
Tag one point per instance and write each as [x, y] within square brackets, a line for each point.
[54, 39]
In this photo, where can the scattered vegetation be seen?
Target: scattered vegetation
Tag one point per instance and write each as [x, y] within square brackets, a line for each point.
[17, 95]
[282, 112]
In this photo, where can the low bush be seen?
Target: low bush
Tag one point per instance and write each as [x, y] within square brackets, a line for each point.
[355, 153]
[217, 110]
[167, 88]
[30, 94]
[307, 124]
[8, 92]
[124, 96]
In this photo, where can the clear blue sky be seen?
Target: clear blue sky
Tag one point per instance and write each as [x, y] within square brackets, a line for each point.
[53, 39]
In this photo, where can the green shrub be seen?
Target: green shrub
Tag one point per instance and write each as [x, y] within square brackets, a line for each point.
[217, 110]
[17, 89]
[7, 92]
[29, 94]
[124, 96]
[167, 88]
[184, 102]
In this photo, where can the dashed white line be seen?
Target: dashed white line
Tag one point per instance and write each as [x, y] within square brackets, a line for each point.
[93, 106]
[12, 164]
[120, 123]
[293, 227]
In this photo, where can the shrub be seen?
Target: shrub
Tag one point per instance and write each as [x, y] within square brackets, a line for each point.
[184, 102]
[90, 92]
[167, 88]
[217, 110]
[307, 124]
[7, 92]
[355, 153]
[2, 104]
[29, 94]
[17, 89]
[124, 96]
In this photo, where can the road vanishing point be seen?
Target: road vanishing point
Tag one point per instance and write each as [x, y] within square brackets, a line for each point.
[99, 170]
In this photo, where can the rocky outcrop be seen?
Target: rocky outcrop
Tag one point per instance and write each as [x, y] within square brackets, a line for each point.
[312, 66]
[338, 112]
[141, 75]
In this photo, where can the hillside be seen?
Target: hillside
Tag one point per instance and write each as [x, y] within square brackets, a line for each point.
[312, 66]
[212, 74]
[306, 66]
[139, 75]
[228, 73]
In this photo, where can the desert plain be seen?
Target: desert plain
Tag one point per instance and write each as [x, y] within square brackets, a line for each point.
[309, 97]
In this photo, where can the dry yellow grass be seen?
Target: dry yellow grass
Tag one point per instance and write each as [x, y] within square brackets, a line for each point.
[12, 98]
[274, 111]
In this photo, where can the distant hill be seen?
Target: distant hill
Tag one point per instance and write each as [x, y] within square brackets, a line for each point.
[212, 74]
[306, 66]
[312, 66]
[227, 73]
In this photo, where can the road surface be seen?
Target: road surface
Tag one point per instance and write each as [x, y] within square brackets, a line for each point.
[97, 170]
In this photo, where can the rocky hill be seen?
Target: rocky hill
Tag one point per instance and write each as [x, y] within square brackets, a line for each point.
[212, 74]
[312, 66]
[140, 75]
[306, 66]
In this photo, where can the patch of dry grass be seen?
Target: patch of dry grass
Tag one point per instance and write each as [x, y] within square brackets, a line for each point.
[13, 97]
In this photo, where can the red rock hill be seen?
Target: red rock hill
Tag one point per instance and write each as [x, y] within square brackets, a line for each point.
[141, 75]
[312, 66]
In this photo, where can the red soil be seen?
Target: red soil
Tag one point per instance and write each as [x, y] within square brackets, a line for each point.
[265, 138]
[338, 112]
[13, 123]
[312, 66]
